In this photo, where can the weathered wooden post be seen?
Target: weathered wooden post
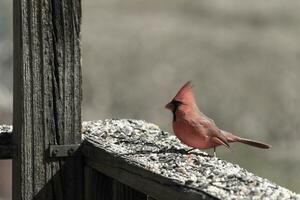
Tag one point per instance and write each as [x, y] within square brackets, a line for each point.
[47, 99]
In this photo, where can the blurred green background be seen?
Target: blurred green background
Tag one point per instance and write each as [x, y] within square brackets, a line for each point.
[242, 56]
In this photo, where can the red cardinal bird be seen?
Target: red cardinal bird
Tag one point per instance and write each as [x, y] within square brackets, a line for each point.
[195, 129]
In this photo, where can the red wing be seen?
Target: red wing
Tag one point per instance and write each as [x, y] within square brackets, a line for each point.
[198, 128]
[214, 131]
[206, 127]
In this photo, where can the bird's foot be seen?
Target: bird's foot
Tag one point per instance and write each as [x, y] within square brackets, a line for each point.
[173, 149]
[188, 151]
[197, 153]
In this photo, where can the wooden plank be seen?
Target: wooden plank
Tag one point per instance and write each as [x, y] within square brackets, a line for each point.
[99, 186]
[156, 186]
[124, 192]
[47, 98]
[143, 157]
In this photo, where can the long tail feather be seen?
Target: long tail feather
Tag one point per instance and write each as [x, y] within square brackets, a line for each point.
[233, 138]
[254, 143]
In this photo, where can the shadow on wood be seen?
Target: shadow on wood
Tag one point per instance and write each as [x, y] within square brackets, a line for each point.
[98, 186]
[68, 176]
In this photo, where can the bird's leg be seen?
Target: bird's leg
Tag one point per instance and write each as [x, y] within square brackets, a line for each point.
[215, 154]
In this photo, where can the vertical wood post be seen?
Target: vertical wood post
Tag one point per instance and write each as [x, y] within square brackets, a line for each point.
[47, 98]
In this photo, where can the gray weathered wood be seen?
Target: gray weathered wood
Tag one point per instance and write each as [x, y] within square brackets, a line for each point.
[47, 97]
[134, 153]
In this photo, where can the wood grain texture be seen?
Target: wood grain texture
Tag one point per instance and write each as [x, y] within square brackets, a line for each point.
[47, 98]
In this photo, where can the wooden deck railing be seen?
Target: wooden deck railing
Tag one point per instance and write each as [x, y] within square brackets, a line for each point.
[135, 160]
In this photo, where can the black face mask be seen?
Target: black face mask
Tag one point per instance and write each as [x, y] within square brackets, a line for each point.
[175, 104]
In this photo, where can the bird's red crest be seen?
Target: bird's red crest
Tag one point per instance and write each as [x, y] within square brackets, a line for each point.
[185, 94]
